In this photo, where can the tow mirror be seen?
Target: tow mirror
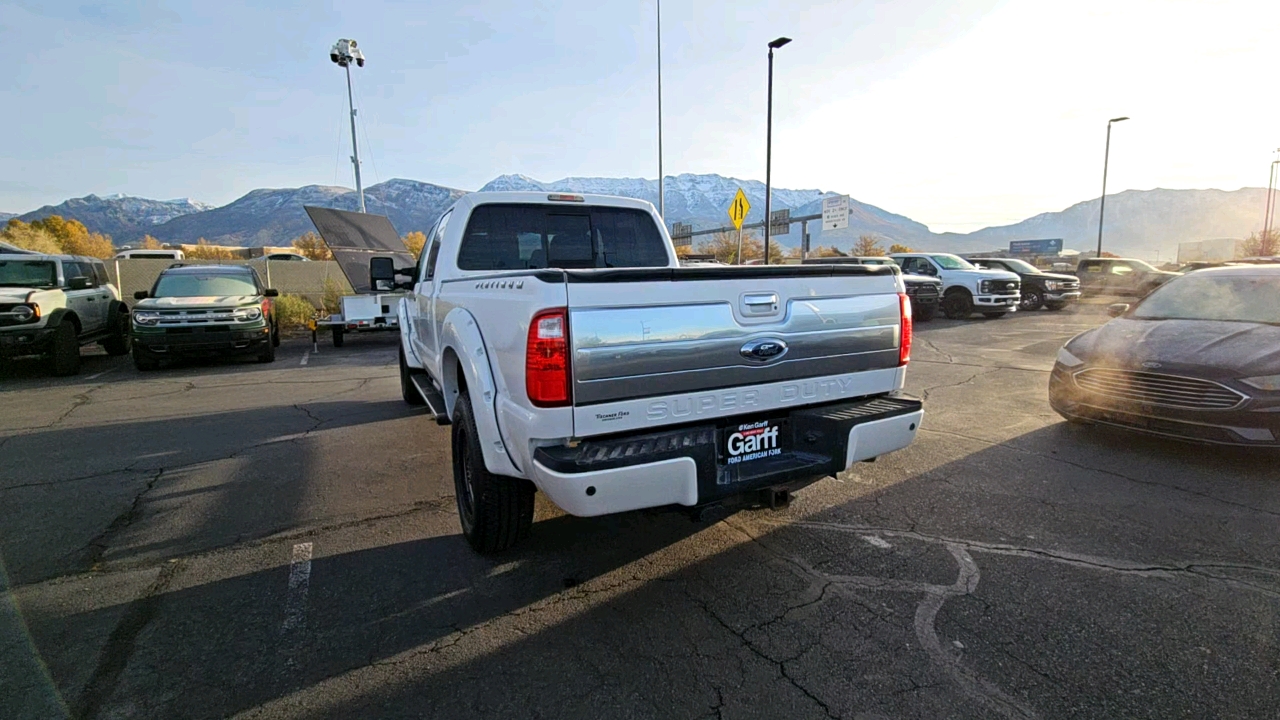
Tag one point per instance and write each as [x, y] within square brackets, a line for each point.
[382, 273]
[141, 295]
[1117, 309]
[78, 283]
[271, 292]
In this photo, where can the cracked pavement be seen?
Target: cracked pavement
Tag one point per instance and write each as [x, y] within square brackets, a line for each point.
[1007, 565]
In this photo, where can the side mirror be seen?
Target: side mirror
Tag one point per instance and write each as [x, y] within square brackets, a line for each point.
[78, 283]
[1117, 309]
[271, 292]
[142, 295]
[382, 270]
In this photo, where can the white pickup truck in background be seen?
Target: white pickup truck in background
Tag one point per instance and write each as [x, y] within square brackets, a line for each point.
[573, 355]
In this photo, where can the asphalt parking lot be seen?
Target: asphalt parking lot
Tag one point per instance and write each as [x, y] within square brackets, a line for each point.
[264, 541]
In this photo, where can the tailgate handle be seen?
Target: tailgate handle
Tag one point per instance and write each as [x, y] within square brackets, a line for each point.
[769, 299]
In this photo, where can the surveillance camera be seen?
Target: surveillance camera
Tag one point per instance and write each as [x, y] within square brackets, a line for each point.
[353, 44]
[333, 57]
[359, 62]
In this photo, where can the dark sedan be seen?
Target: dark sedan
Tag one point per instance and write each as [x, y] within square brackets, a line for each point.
[1198, 359]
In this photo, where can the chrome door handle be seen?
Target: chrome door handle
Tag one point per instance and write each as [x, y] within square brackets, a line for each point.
[754, 300]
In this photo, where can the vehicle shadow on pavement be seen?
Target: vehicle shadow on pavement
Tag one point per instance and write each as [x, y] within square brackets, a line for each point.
[1027, 578]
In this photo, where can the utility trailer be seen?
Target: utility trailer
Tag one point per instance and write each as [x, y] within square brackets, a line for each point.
[355, 239]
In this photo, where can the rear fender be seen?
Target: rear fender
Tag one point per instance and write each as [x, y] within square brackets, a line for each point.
[462, 349]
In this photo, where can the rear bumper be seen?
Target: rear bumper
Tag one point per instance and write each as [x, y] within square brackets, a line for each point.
[16, 343]
[224, 342]
[684, 467]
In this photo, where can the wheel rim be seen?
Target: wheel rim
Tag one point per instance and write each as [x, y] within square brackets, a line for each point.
[1031, 300]
[464, 481]
[956, 304]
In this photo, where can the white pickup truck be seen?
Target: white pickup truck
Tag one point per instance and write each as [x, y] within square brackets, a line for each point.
[573, 355]
[965, 286]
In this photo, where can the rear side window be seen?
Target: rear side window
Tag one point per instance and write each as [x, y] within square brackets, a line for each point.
[521, 237]
[100, 274]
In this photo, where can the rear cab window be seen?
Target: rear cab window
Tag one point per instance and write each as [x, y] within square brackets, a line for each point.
[531, 236]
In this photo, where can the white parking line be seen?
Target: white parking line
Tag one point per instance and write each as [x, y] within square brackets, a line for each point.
[98, 375]
[305, 357]
[295, 606]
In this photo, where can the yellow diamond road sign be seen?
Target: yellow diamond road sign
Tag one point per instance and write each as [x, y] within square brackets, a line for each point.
[739, 208]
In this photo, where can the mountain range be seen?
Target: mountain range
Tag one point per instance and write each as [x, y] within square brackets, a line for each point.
[1138, 222]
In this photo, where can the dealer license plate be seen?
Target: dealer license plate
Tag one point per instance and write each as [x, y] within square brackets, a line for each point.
[753, 441]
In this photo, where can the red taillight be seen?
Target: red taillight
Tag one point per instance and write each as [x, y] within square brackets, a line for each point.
[904, 348]
[546, 359]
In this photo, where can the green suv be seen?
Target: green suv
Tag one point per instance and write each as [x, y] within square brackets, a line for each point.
[204, 311]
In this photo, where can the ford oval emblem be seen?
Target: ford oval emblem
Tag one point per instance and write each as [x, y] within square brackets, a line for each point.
[764, 349]
[1152, 365]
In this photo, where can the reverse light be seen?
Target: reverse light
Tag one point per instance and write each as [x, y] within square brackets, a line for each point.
[904, 347]
[1270, 383]
[546, 359]
[144, 317]
[1066, 359]
[566, 198]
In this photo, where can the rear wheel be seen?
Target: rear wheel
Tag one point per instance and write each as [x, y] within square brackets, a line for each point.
[958, 304]
[144, 360]
[65, 355]
[1031, 300]
[924, 313]
[407, 390]
[337, 336]
[496, 512]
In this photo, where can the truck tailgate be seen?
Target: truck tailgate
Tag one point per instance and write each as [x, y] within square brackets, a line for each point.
[700, 329]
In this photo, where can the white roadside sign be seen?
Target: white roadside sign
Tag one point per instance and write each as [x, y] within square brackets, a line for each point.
[835, 212]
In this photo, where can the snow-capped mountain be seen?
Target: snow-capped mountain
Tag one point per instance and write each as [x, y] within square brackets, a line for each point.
[122, 217]
[4, 216]
[276, 216]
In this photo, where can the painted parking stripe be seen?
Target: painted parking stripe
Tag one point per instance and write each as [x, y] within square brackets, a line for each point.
[305, 357]
[295, 608]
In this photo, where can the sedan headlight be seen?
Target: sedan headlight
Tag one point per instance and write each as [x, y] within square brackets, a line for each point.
[1270, 383]
[1066, 359]
[146, 317]
[247, 314]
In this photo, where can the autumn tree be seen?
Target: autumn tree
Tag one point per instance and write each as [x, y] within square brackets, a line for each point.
[27, 237]
[899, 248]
[867, 246]
[203, 250]
[684, 250]
[73, 238]
[724, 245]
[826, 252]
[312, 247]
[414, 241]
[150, 243]
[1264, 244]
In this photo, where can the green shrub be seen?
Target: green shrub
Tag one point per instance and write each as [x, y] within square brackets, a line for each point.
[333, 293]
[294, 311]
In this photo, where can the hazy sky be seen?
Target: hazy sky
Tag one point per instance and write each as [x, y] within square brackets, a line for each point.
[956, 114]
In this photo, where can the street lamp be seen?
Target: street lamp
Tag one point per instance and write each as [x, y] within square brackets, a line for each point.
[1102, 202]
[1271, 204]
[662, 205]
[343, 53]
[768, 149]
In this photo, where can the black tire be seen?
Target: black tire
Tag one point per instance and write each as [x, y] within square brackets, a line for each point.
[993, 315]
[407, 390]
[958, 304]
[496, 512]
[924, 313]
[1054, 307]
[64, 357]
[120, 341]
[337, 336]
[275, 333]
[143, 360]
[1032, 300]
[268, 353]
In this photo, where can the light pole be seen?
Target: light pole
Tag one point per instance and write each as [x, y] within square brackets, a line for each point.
[768, 149]
[1271, 203]
[1102, 202]
[343, 53]
[662, 200]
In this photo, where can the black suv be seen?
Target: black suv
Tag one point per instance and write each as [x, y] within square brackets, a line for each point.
[204, 310]
[1120, 276]
[1039, 288]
